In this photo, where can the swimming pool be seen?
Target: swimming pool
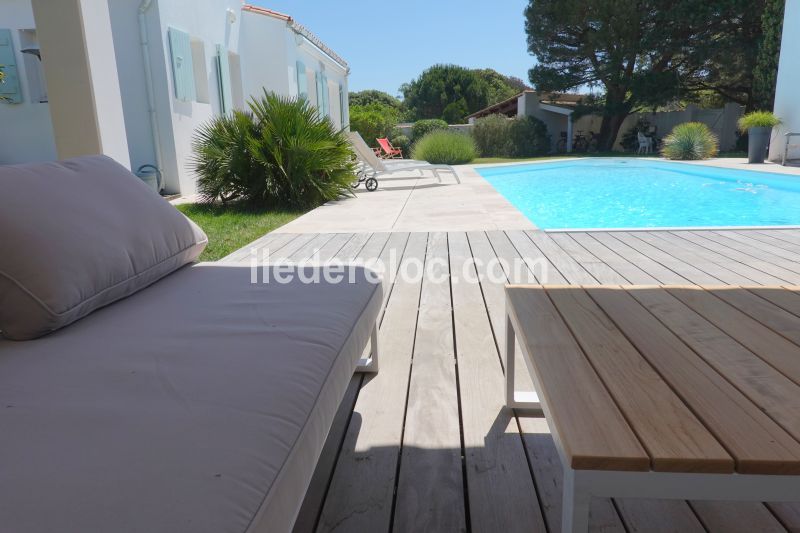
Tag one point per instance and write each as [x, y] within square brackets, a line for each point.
[635, 193]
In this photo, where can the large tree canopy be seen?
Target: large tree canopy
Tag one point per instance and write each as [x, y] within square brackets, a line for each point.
[644, 53]
[452, 92]
[368, 97]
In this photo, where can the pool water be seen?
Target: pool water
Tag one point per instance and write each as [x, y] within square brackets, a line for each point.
[634, 193]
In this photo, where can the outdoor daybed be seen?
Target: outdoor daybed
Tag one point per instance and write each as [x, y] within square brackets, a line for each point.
[196, 402]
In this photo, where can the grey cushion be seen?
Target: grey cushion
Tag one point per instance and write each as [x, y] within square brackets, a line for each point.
[199, 404]
[78, 235]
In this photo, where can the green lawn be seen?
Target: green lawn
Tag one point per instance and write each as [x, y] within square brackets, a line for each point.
[232, 227]
[495, 160]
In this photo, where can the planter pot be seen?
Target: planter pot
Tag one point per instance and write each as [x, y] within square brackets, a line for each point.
[758, 140]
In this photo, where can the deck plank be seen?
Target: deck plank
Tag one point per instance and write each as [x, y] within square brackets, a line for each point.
[632, 273]
[690, 249]
[430, 488]
[600, 271]
[492, 443]
[361, 492]
[762, 263]
[689, 271]
[570, 269]
[633, 255]
[544, 270]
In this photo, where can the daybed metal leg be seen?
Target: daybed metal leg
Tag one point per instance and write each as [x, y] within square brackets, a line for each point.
[514, 398]
[370, 364]
[575, 506]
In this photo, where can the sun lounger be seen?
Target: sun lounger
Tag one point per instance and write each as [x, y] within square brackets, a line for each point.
[199, 403]
[372, 167]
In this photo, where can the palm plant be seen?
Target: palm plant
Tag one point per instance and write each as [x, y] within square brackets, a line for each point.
[281, 152]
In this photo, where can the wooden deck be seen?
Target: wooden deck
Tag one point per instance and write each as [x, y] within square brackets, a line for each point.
[427, 444]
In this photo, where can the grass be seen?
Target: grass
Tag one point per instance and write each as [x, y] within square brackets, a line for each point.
[495, 160]
[232, 227]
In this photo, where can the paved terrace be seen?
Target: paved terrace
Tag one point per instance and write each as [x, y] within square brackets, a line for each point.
[427, 444]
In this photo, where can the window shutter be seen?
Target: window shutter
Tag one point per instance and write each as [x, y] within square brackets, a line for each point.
[318, 90]
[343, 106]
[9, 89]
[180, 47]
[302, 81]
[224, 79]
[326, 96]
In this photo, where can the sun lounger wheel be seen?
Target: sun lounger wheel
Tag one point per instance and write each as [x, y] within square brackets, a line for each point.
[371, 184]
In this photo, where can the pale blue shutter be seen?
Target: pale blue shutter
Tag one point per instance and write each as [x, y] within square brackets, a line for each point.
[9, 89]
[318, 83]
[343, 106]
[326, 96]
[224, 79]
[302, 81]
[182, 69]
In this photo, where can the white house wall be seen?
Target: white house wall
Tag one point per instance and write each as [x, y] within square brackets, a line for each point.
[27, 132]
[270, 52]
[264, 53]
[208, 21]
[787, 103]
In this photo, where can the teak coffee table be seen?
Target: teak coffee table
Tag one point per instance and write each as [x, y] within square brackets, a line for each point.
[663, 392]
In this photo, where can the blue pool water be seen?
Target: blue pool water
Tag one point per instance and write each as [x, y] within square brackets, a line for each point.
[633, 193]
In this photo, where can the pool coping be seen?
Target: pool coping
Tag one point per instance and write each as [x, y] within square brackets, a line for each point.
[668, 228]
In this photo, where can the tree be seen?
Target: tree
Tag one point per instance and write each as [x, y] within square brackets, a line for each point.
[365, 98]
[373, 121]
[643, 53]
[451, 92]
[766, 71]
[441, 85]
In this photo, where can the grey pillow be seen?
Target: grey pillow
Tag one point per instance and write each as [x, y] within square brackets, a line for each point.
[79, 234]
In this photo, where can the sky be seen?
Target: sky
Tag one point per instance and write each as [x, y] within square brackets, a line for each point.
[389, 42]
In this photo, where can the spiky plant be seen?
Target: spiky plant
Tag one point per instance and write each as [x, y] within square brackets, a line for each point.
[281, 153]
[690, 140]
[222, 160]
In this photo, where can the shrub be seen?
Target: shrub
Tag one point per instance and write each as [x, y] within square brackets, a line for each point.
[445, 148]
[423, 127]
[528, 137]
[281, 153]
[455, 112]
[402, 142]
[758, 119]
[491, 135]
[691, 140]
[373, 121]
[497, 135]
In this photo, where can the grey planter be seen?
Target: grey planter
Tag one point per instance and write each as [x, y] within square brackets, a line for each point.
[758, 140]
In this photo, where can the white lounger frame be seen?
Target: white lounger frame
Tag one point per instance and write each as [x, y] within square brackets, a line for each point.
[369, 365]
[581, 485]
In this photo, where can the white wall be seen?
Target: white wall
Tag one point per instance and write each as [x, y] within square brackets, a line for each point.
[206, 20]
[270, 51]
[26, 134]
[264, 56]
[787, 102]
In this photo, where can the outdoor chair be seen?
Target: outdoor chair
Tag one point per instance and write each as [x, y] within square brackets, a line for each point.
[388, 151]
[645, 143]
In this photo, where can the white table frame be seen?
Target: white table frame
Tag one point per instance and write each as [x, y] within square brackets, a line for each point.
[580, 486]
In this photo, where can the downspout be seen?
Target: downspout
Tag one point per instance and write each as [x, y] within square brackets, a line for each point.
[151, 93]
